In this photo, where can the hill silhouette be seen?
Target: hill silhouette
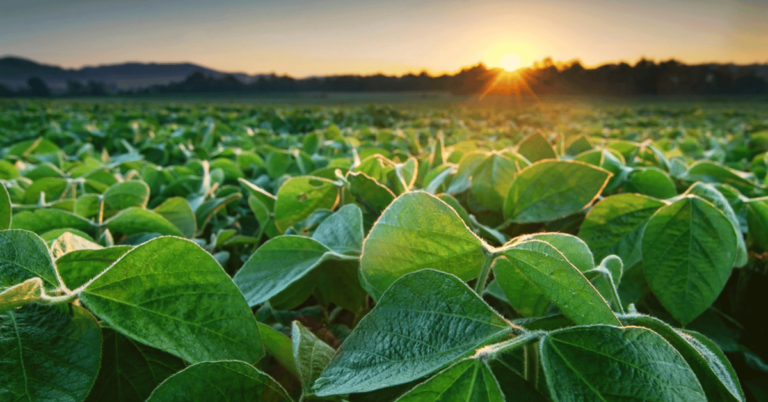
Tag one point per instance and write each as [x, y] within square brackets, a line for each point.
[22, 77]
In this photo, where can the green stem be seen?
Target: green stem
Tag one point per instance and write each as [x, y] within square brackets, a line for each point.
[531, 353]
[521, 340]
[484, 273]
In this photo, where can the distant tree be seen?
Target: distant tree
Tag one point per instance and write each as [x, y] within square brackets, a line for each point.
[6, 92]
[95, 88]
[75, 88]
[38, 87]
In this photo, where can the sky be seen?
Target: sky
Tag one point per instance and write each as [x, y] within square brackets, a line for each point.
[322, 37]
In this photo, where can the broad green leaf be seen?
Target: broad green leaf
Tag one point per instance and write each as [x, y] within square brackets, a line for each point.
[651, 181]
[299, 197]
[707, 361]
[424, 322]
[179, 213]
[265, 197]
[605, 278]
[50, 353]
[125, 195]
[468, 381]
[80, 266]
[54, 234]
[604, 363]
[130, 370]
[278, 163]
[278, 346]
[615, 225]
[713, 172]
[535, 147]
[435, 178]
[342, 232]
[491, 180]
[757, 217]
[19, 295]
[574, 249]
[219, 381]
[69, 242]
[136, 220]
[50, 188]
[277, 264]
[419, 231]
[5, 209]
[172, 295]
[550, 190]
[370, 191]
[23, 255]
[462, 180]
[709, 193]
[559, 280]
[338, 282]
[45, 220]
[519, 291]
[689, 248]
[208, 209]
[310, 354]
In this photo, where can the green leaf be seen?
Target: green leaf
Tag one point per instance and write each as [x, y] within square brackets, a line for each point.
[561, 282]
[689, 248]
[651, 181]
[299, 197]
[470, 380]
[713, 172]
[520, 292]
[491, 180]
[130, 370]
[310, 354]
[277, 264]
[419, 231]
[80, 266]
[342, 232]
[603, 363]
[5, 209]
[338, 283]
[551, 190]
[53, 188]
[757, 218]
[23, 255]
[425, 321]
[462, 180]
[615, 225]
[370, 191]
[535, 147]
[179, 213]
[45, 220]
[278, 346]
[125, 195]
[135, 220]
[50, 353]
[208, 209]
[19, 295]
[170, 294]
[707, 361]
[574, 249]
[709, 193]
[278, 163]
[219, 381]
[68, 242]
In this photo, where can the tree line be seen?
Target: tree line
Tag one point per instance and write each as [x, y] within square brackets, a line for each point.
[646, 77]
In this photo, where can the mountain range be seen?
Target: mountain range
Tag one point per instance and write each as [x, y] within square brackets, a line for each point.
[15, 71]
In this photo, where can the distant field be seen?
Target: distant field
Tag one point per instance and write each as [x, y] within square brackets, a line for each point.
[383, 247]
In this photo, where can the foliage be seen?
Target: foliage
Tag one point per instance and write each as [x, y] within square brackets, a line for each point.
[553, 253]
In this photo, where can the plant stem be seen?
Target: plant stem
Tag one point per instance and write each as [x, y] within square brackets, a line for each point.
[531, 353]
[484, 273]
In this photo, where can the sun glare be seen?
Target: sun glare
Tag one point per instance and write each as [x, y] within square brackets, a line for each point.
[510, 62]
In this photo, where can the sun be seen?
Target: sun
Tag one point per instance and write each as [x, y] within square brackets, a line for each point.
[510, 62]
